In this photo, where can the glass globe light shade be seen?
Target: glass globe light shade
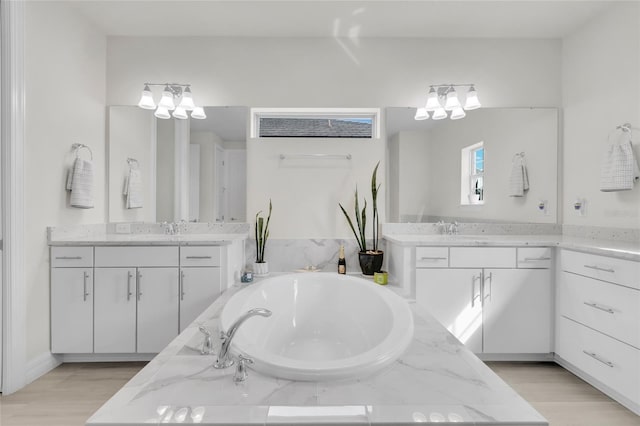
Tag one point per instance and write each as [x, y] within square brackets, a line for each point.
[457, 113]
[162, 112]
[452, 100]
[167, 99]
[439, 114]
[180, 113]
[472, 101]
[198, 113]
[187, 100]
[421, 114]
[146, 100]
[432, 100]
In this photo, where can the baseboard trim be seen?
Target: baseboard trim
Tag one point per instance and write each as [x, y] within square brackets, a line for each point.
[105, 357]
[41, 365]
[598, 385]
[516, 357]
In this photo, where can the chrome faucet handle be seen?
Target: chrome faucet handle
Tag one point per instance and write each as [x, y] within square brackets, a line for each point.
[241, 373]
[206, 344]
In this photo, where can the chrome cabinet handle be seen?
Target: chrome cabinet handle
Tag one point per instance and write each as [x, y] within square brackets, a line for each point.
[600, 307]
[129, 293]
[139, 281]
[181, 285]
[198, 257]
[488, 295]
[597, 358]
[598, 268]
[473, 290]
[535, 259]
[433, 258]
[69, 257]
[84, 287]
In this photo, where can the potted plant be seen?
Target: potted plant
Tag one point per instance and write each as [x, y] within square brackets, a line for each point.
[370, 260]
[261, 266]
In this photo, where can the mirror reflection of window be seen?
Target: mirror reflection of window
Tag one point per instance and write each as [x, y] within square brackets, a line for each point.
[472, 174]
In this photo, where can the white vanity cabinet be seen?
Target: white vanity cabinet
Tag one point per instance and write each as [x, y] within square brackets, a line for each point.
[200, 280]
[136, 301]
[486, 298]
[71, 299]
[598, 322]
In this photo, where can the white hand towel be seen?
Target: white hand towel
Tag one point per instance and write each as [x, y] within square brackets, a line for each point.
[82, 184]
[619, 168]
[519, 179]
[134, 189]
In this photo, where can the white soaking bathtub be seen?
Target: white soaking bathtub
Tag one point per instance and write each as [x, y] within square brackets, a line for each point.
[323, 327]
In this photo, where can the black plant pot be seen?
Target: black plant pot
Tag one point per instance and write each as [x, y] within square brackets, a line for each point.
[370, 262]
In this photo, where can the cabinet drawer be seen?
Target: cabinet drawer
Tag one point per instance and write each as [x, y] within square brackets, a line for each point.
[619, 271]
[432, 257]
[609, 308]
[71, 257]
[136, 256]
[613, 363]
[534, 257]
[200, 256]
[482, 257]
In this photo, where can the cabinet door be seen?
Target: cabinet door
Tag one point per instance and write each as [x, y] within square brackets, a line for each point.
[115, 310]
[517, 311]
[157, 308]
[71, 310]
[453, 298]
[199, 287]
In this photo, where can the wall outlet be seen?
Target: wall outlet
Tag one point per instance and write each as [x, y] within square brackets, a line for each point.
[123, 228]
[580, 207]
[542, 207]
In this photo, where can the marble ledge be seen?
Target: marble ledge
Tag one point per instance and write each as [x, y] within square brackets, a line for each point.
[147, 234]
[619, 249]
[436, 380]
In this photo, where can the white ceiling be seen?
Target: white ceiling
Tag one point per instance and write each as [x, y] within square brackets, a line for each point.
[341, 18]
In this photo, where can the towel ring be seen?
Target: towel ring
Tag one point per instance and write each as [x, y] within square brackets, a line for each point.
[133, 162]
[78, 146]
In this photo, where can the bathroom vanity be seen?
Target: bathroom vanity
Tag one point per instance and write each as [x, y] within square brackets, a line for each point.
[126, 296]
[507, 296]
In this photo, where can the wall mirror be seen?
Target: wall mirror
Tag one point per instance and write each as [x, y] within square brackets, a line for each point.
[427, 161]
[191, 170]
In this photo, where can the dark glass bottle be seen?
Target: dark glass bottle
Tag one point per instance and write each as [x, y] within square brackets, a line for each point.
[342, 263]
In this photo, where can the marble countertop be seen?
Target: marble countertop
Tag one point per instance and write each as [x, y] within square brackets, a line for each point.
[621, 249]
[147, 239]
[436, 380]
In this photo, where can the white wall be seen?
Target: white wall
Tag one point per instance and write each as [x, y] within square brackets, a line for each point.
[65, 63]
[318, 72]
[601, 90]
[504, 132]
[132, 134]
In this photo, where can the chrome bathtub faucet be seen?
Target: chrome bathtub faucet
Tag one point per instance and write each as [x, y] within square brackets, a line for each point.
[206, 344]
[241, 373]
[224, 360]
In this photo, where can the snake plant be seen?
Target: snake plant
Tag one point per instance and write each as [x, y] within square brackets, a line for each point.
[361, 215]
[262, 233]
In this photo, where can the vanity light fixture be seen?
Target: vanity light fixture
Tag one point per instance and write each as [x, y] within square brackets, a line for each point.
[443, 98]
[171, 93]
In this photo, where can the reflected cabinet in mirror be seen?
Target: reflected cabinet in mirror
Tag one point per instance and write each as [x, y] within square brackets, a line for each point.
[494, 165]
[171, 170]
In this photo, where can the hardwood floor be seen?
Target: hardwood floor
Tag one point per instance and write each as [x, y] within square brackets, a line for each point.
[68, 395]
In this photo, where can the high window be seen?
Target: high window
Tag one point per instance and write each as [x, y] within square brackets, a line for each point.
[472, 174]
[315, 123]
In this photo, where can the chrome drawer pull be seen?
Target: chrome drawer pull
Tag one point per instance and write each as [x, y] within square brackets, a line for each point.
[129, 293]
[473, 290]
[182, 285]
[433, 258]
[198, 257]
[69, 257]
[598, 268]
[602, 308]
[597, 358]
[535, 259]
[139, 284]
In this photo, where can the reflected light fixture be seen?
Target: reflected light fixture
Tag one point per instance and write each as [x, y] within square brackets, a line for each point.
[176, 97]
[443, 98]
